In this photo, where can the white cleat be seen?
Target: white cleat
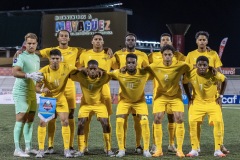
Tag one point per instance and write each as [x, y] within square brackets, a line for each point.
[121, 153]
[110, 153]
[153, 149]
[79, 154]
[31, 151]
[193, 153]
[40, 154]
[172, 148]
[20, 153]
[219, 153]
[72, 150]
[198, 150]
[50, 150]
[146, 153]
[67, 153]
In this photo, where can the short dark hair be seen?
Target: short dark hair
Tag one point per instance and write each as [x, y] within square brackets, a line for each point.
[63, 31]
[95, 34]
[203, 33]
[165, 34]
[93, 62]
[131, 34]
[55, 52]
[202, 58]
[168, 47]
[131, 55]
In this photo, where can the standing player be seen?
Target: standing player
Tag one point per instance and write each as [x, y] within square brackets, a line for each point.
[214, 61]
[156, 57]
[119, 61]
[55, 80]
[203, 101]
[25, 69]
[92, 85]
[69, 56]
[168, 74]
[104, 62]
[132, 84]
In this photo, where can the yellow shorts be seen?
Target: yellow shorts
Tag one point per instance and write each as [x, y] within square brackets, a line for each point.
[62, 105]
[99, 109]
[106, 95]
[70, 94]
[124, 107]
[199, 109]
[168, 105]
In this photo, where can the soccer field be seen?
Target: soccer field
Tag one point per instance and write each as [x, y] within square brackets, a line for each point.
[232, 134]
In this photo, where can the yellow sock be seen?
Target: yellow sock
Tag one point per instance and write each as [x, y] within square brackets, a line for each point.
[153, 141]
[125, 130]
[41, 137]
[217, 132]
[171, 132]
[107, 141]
[72, 131]
[81, 143]
[120, 133]
[180, 132]
[222, 129]
[51, 132]
[145, 133]
[193, 135]
[138, 130]
[66, 136]
[87, 129]
[158, 136]
[198, 133]
[110, 136]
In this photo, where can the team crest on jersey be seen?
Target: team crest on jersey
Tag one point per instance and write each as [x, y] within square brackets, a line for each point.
[15, 60]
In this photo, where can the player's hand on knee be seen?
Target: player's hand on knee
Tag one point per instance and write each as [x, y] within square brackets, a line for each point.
[36, 76]
[123, 70]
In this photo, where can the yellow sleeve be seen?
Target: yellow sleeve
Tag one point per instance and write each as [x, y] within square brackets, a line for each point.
[45, 53]
[150, 58]
[115, 64]
[81, 60]
[145, 62]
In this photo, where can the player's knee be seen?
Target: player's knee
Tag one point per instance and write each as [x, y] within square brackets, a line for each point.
[42, 124]
[179, 119]
[105, 125]
[65, 122]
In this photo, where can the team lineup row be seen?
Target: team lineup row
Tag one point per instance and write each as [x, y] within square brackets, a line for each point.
[92, 69]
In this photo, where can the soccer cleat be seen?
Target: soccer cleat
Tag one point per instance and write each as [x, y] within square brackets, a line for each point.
[153, 149]
[219, 153]
[146, 153]
[224, 149]
[67, 153]
[138, 150]
[198, 150]
[193, 153]
[121, 153]
[158, 153]
[40, 154]
[180, 154]
[110, 153]
[20, 153]
[72, 150]
[79, 154]
[50, 150]
[172, 148]
[31, 151]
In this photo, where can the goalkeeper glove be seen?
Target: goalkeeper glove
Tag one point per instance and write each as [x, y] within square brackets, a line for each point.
[36, 76]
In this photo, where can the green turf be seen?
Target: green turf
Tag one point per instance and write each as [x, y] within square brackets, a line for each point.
[232, 140]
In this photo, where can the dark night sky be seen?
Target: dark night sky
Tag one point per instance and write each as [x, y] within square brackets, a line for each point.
[221, 18]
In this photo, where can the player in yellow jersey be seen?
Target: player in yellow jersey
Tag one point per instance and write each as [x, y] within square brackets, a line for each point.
[119, 61]
[155, 57]
[92, 86]
[69, 56]
[132, 84]
[55, 80]
[203, 100]
[104, 62]
[168, 74]
[214, 61]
